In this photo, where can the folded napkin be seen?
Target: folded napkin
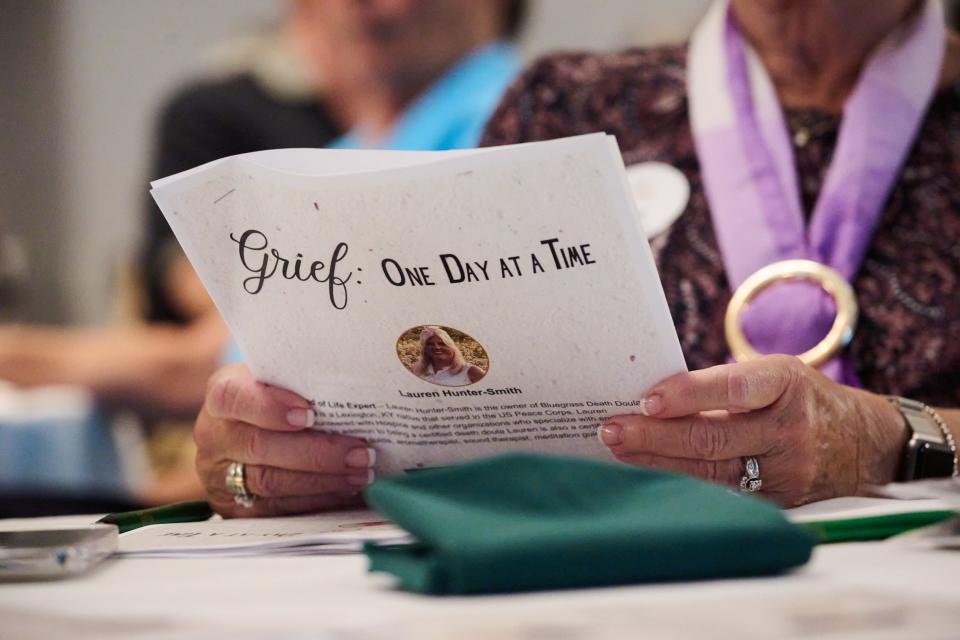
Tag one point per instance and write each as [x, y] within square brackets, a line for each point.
[522, 522]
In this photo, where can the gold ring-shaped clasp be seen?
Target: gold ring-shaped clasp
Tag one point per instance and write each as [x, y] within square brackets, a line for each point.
[832, 282]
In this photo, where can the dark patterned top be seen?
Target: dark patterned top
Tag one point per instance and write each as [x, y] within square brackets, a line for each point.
[908, 338]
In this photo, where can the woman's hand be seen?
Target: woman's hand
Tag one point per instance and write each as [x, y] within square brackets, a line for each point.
[814, 438]
[289, 467]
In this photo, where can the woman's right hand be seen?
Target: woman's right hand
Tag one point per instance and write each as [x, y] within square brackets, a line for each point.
[290, 468]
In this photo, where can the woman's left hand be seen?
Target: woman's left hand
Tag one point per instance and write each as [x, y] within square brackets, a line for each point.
[813, 438]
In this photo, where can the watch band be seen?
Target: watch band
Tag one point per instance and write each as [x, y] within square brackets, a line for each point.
[931, 451]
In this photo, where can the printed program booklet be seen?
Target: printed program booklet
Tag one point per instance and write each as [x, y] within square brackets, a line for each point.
[441, 305]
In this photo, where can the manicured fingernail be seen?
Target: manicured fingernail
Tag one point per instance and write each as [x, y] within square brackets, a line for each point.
[360, 458]
[362, 480]
[302, 417]
[610, 434]
[651, 405]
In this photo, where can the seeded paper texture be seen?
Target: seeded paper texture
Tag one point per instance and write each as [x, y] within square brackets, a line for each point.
[531, 254]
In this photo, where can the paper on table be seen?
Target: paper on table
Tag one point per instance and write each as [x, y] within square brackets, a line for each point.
[945, 489]
[851, 507]
[326, 264]
[335, 532]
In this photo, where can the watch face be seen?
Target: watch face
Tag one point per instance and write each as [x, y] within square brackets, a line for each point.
[923, 425]
[933, 461]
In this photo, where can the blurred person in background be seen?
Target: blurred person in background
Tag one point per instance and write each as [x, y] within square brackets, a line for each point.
[824, 131]
[395, 74]
[386, 74]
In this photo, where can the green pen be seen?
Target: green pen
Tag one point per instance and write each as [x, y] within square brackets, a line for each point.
[167, 514]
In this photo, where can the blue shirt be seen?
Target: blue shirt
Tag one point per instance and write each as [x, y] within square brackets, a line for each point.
[454, 110]
[450, 115]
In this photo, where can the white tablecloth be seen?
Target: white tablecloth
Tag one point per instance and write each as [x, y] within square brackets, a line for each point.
[866, 590]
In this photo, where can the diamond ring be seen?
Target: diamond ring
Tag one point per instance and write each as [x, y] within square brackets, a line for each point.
[751, 482]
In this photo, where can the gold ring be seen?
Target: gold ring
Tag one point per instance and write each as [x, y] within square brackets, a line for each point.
[236, 482]
[830, 280]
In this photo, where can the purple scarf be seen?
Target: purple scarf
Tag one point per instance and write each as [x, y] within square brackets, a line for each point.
[750, 179]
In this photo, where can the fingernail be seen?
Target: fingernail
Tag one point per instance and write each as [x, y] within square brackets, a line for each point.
[610, 434]
[302, 417]
[651, 405]
[362, 480]
[361, 457]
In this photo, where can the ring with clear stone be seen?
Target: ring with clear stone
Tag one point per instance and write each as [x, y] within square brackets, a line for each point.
[751, 482]
[236, 483]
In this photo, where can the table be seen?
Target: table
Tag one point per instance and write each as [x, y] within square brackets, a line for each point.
[863, 590]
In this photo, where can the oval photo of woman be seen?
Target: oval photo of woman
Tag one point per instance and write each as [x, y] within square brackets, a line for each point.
[442, 355]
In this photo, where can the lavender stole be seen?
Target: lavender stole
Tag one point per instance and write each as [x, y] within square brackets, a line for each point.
[750, 179]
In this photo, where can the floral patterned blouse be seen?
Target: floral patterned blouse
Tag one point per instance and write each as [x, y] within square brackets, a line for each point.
[907, 340]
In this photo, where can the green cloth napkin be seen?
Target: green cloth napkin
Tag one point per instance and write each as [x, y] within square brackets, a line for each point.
[522, 522]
